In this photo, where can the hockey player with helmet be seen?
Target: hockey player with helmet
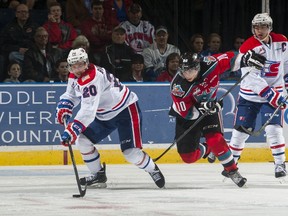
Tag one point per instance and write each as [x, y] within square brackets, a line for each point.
[261, 92]
[106, 105]
[193, 91]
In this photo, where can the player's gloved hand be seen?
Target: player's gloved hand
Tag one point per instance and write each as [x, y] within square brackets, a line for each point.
[286, 81]
[64, 110]
[71, 133]
[211, 106]
[274, 98]
[252, 59]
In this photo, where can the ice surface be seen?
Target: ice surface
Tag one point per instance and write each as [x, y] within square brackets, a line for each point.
[191, 189]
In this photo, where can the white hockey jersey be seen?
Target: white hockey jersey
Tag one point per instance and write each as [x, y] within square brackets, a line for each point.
[140, 36]
[276, 67]
[99, 93]
[153, 57]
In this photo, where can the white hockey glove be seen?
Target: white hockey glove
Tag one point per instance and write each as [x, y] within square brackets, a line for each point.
[252, 59]
[210, 106]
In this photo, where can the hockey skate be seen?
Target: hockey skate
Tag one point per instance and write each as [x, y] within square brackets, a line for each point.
[236, 177]
[96, 181]
[280, 170]
[158, 177]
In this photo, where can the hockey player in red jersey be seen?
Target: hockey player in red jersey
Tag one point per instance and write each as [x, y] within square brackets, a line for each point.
[261, 92]
[106, 105]
[193, 91]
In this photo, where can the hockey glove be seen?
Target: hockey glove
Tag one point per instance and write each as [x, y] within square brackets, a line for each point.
[286, 82]
[71, 133]
[274, 98]
[252, 59]
[211, 106]
[64, 110]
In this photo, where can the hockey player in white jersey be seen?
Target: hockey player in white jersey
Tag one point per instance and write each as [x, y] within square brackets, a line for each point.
[261, 91]
[106, 105]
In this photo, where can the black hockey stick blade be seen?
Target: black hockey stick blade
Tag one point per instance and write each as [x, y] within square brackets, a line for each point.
[250, 132]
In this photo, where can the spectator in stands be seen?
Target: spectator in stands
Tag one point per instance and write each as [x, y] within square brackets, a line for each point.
[155, 55]
[172, 65]
[82, 42]
[238, 41]
[214, 45]
[40, 59]
[98, 30]
[61, 70]
[196, 43]
[9, 4]
[61, 33]
[116, 9]
[139, 33]
[117, 56]
[14, 72]
[17, 36]
[137, 69]
[77, 12]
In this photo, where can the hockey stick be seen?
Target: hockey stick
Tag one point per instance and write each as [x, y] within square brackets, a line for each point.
[258, 132]
[82, 192]
[199, 119]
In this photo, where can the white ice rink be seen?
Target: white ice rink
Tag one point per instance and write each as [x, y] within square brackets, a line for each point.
[194, 190]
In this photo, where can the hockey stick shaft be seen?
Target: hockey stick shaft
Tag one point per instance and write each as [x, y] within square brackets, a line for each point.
[258, 132]
[199, 119]
[82, 192]
[182, 135]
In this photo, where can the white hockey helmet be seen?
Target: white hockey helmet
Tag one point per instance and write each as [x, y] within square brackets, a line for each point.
[262, 19]
[77, 55]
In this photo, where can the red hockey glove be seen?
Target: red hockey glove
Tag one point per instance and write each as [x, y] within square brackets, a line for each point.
[64, 110]
[71, 133]
[274, 98]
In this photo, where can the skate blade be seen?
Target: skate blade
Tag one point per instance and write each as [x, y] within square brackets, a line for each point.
[282, 180]
[97, 186]
[225, 179]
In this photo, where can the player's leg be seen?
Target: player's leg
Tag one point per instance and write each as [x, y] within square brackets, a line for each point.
[129, 129]
[246, 115]
[275, 138]
[189, 147]
[94, 133]
[213, 133]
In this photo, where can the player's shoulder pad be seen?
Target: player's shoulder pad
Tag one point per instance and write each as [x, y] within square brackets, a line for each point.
[72, 76]
[249, 44]
[278, 37]
[88, 75]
